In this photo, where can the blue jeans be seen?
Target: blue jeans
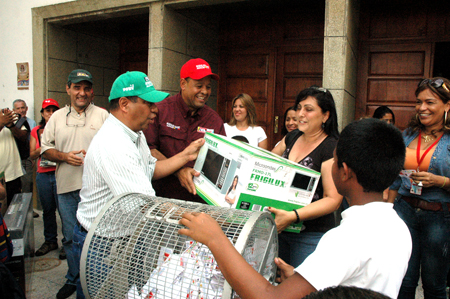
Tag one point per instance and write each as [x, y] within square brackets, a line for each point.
[102, 250]
[46, 186]
[295, 248]
[430, 233]
[68, 205]
[78, 243]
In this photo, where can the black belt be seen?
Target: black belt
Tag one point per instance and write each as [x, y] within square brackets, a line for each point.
[81, 227]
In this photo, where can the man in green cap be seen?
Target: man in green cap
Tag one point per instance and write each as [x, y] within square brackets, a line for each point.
[119, 160]
[66, 138]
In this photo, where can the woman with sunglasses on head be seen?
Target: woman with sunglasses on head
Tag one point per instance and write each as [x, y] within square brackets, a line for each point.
[45, 181]
[312, 146]
[422, 200]
[243, 121]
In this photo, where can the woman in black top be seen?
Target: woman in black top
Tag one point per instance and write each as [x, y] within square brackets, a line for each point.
[312, 146]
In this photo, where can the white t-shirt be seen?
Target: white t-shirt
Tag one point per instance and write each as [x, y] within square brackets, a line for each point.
[370, 249]
[254, 135]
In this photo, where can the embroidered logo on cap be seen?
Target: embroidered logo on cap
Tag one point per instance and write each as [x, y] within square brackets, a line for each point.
[80, 74]
[130, 88]
[202, 66]
[148, 83]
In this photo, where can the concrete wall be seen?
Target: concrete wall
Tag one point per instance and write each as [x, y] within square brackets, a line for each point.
[69, 50]
[16, 46]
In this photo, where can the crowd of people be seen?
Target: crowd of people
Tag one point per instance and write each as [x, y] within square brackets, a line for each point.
[383, 244]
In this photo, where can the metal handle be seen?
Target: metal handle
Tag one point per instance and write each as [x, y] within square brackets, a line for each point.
[275, 129]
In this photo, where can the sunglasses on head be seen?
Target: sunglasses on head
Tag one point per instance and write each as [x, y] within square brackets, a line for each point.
[436, 83]
[320, 89]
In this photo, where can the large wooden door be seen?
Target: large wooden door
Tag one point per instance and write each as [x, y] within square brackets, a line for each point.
[271, 52]
[389, 74]
[272, 77]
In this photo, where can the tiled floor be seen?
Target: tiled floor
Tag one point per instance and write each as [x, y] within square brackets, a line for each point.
[49, 271]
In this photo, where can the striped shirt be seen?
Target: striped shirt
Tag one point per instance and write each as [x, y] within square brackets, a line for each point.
[118, 161]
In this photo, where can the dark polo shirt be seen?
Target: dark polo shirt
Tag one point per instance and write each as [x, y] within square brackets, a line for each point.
[173, 130]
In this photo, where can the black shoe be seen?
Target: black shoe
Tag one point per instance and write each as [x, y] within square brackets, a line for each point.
[66, 291]
[62, 254]
[35, 215]
[46, 248]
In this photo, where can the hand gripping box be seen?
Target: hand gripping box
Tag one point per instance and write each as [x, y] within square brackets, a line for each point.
[237, 175]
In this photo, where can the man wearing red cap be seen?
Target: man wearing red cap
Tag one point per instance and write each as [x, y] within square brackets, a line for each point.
[182, 119]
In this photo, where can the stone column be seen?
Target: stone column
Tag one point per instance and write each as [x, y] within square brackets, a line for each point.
[340, 55]
[155, 44]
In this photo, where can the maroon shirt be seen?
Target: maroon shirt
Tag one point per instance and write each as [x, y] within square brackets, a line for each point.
[173, 130]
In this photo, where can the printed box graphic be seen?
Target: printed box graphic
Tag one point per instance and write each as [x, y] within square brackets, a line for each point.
[237, 175]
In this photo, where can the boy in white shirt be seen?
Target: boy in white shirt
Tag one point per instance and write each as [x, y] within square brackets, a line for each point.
[359, 252]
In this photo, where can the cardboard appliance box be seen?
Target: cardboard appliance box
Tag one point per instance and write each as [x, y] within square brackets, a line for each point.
[262, 178]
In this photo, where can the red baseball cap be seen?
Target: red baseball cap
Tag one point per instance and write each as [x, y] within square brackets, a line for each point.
[49, 102]
[197, 69]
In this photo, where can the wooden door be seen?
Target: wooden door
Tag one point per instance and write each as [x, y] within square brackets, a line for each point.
[388, 75]
[272, 77]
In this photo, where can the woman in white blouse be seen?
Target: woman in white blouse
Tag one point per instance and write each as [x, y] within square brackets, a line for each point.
[243, 122]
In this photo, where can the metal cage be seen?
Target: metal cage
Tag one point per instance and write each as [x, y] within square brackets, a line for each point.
[133, 250]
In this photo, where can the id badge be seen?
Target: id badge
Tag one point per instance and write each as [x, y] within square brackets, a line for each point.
[416, 188]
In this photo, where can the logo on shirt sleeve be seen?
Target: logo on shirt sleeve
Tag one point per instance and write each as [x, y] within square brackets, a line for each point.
[204, 130]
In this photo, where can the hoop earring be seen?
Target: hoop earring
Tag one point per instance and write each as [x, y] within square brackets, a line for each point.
[445, 117]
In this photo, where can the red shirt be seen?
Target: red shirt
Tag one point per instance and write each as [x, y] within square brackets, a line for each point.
[173, 130]
[40, 169]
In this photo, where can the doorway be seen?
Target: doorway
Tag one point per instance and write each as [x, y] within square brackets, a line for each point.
[271, 53]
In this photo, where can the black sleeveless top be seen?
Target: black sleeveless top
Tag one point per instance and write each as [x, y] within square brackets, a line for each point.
[314, 160]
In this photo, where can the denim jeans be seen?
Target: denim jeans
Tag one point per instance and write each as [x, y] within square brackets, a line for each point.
[68, 205]
[78, 242]
[430, 233]
[102, 250]
[46, 186]
[295, 248]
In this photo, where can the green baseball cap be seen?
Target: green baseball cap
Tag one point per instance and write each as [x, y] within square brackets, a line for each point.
[136, 84]
[79, 75]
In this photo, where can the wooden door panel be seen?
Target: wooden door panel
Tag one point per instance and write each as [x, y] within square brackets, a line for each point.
[303, 63]
[298, 67]
[386, 92]
[257, 88]
[397, 63]
[247, 65]
[388, 75]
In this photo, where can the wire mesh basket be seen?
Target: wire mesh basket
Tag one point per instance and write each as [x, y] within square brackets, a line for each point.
[133, 250]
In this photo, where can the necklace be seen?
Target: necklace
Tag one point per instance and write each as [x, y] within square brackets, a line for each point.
[427, 138]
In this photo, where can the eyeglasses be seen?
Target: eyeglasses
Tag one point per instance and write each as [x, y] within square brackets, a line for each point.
[74, 125]
[436, 83]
